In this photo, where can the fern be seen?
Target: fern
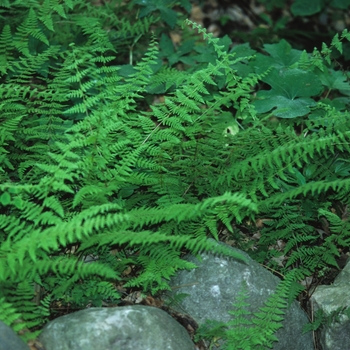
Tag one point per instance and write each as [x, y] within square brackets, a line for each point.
[247, 330]
[106, 148]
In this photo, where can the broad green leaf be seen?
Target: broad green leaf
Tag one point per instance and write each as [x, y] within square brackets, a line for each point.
[281, 56]
[334, 80]
[243, 68]
[299, 177]
[127, 191]
[168, 15]
[186, 4]
[283, 52]
[339, 103]
[342, 167]
[205, 55]
[126, 70]
[18, 202]
[310, 170]
[294, 82]
[340, 4]
[306, 8]
[5, 198]
[243, 50]
[186, 47]
[290, 93]
[173, 56]
[166, 45]
[226, 42]
[285, 107]
[187, 60]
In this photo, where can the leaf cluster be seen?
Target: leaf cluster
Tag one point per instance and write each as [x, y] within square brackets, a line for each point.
[120, 153]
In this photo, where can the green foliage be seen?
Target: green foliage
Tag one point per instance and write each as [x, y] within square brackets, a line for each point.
[252, 331]
[323, 319]
[117, 152]
[84, 170]
[302, 8]
[304, 24]
[167, 14]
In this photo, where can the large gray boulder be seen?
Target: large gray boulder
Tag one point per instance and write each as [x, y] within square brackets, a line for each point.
[215, 284]
[9, 340]
[120, 328]
[330, 299]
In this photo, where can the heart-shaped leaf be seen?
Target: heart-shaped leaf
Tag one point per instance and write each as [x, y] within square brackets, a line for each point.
[290, 93]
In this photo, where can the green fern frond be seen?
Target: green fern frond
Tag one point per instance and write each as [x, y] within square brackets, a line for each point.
[29, 316]
[29, 27]
[310, 188]
[159, 262]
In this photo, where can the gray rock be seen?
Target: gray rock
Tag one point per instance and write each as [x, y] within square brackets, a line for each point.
[119, 328]
[215, 284]
[335, 336]
[9, 340]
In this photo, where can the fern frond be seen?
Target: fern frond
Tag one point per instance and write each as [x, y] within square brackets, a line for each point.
[28, 27]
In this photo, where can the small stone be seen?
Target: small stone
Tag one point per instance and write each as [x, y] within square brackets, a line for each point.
[9, 340]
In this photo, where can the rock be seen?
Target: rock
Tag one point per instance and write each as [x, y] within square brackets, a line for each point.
[120, 328]
[9, 340]
[329, 299]
[214, 285]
